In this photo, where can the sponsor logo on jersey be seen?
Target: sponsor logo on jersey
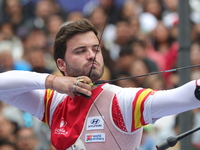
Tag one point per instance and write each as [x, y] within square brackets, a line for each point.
[95, 137]
[61, 129]
[94, 123]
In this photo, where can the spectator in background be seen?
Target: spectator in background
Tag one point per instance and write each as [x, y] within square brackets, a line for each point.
[169, 6]
[44, 9]
[23, 119]
[195, 60]
[7, 129]
[139, 67]
[123, 38]
[129, 10]
[153, 7]
[138, 48]
[39, 38]
[9, 40]
[169, 13]
[7, 59]
[106, 5]
[194, 15]
[7, 62]
[197, 32]
[135, 29]
[98, 18]
[36, 58]
[75, 16]
[54, 23]
[17, 16]
[155, 82]
[165, 51]
[161, 38]
[109, 63]
[125, 59]
[114, 11]
[125, 83]
[27, 140]
[7, 145]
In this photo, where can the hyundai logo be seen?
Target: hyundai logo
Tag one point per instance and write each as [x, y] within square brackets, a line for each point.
[94, 121]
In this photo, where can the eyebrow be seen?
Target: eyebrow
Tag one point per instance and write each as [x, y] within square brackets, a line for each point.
[81, 47]
[96, 45]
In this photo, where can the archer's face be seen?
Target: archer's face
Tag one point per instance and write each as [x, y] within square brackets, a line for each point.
[80, 54]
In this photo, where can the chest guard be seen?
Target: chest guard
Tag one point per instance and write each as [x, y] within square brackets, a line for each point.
[96, 129]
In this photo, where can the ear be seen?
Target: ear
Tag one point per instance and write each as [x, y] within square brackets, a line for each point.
[61, 65]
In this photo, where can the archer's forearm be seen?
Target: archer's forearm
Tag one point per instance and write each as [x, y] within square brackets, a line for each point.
[17, 82]
[175, 101]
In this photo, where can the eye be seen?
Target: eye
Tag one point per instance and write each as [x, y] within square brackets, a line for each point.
[96, 49]
[80, 51]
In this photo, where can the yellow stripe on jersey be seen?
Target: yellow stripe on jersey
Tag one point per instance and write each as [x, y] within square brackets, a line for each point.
[48, 99]
[139, 107]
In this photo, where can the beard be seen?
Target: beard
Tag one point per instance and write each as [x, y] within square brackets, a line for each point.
[75, 72]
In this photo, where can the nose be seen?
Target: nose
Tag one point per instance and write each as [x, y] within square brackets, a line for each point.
[90, 55]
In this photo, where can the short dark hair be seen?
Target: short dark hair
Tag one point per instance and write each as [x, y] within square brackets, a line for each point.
[68, 31]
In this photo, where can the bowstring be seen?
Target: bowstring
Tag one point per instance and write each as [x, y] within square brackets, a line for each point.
[89, 74]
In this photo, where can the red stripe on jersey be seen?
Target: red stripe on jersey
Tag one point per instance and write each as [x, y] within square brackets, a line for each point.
[117, 116]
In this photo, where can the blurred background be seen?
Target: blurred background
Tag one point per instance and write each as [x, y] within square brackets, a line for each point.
[140, 36]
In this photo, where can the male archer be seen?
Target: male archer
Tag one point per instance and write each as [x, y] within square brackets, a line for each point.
[112, 118]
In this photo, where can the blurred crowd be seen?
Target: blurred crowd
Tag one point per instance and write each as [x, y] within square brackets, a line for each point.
[140, 36]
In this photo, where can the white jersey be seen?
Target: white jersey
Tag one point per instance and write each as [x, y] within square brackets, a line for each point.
[135, 106]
